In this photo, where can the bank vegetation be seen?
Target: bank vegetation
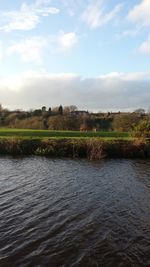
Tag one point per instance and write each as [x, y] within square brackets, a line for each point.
[90, 148]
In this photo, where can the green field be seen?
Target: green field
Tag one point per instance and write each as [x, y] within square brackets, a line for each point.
[25, 133]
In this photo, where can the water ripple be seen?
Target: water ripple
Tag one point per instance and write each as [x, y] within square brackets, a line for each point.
[67, 213]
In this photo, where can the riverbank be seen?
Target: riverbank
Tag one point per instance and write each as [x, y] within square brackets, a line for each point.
[90, 148]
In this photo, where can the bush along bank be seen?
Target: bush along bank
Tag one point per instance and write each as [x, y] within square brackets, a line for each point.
[92, 149]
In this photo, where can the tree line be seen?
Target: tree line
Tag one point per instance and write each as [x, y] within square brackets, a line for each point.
[70, 118]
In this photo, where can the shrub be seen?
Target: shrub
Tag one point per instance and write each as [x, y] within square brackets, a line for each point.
[141, 130]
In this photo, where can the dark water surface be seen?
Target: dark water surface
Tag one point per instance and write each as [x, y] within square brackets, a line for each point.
[74, 213]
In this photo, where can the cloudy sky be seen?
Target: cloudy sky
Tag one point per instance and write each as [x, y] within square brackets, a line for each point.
[91, 53]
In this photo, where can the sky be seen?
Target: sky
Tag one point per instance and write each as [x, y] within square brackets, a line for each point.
[94, 54]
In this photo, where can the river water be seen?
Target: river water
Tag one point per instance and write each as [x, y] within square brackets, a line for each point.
[74, 212]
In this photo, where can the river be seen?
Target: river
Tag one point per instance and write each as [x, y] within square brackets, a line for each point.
[70, 213]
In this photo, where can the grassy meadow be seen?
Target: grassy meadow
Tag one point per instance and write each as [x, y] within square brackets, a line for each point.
[40, 134]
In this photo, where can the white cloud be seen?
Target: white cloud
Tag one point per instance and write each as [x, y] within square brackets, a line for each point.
[114, 91]
[133, 76]
[95, 15]
[72, 5]
[145, 47]
[130, 33]
[140, 13]
[66, 41]
[27, 17]
[30, 50]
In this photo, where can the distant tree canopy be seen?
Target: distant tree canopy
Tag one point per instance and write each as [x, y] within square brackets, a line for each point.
[125, 122]
[140, 111]
[43, 109]
[37, 112]
[70, 118]
[60, 110]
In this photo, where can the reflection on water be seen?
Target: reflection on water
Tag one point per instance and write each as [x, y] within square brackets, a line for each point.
[74, 213]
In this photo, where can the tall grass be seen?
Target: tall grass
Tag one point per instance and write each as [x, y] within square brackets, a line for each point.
[93, 149]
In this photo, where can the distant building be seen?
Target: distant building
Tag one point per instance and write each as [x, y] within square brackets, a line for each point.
[79, 112]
